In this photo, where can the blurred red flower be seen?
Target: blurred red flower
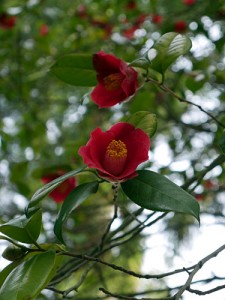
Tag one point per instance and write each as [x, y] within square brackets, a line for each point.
[82, 11]
[209, 184]
[180, 26]
[129, 32]
[131, 5]
[62, 191]
[140, 19]
[43, 30]
[157, 19]
[116, 80]
[189, 2]
[117, 152]
[6, 21]
[199, 197]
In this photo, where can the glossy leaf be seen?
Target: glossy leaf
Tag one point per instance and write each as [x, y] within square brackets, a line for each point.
[7, 270]
[155, 192]
[46, 189]
[141, 62]
[22, 229]
[28, 279]
[144, 120]
[73, 200]
[167, 49]
[75, 69]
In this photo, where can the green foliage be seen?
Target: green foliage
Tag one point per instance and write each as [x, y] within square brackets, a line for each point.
[46, 189]
[155, 192]
[73, 200]
[23, 229]
[43, 123]
[75, 69]
[13, 253]
[144, 120]
[167, 49]
[29, 278]
[7, 270]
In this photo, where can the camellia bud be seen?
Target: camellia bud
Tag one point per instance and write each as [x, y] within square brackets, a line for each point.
[13, 253]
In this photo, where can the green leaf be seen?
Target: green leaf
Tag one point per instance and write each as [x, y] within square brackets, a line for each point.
[144, 120]
[75, 69]
[7, 270]
[167, 49]
[22, 229]
[222, 142]
[28, 279]
[46, 189]
[73, 200]
[141, 62]
[155, 192]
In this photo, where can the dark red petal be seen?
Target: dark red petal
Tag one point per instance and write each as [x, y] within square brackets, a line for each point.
[114, 178]
[105, 98]
[121, 130]
[106, 64]
[138, 145]
[94, 152]
[130, 83]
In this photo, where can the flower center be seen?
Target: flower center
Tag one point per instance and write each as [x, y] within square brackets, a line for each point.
[113, 81]
[115, 157]
[116, 149]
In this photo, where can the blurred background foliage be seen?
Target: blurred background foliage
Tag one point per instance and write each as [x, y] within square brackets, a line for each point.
[44, 121]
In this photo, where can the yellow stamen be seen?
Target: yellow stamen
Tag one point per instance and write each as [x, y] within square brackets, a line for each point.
[113, 81]
[116, 150]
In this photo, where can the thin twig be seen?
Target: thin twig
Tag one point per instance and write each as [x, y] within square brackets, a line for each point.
[115, 188]
[201, 293]
[196, 269]
[121, 269]
[79, 283]
[169, 91]
[130, 298]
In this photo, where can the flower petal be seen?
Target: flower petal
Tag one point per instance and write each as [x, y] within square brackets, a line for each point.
[106, 64]
[104, 98]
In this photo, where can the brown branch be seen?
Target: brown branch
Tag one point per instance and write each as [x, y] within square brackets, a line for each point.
[121, 269]
[196, 269]
[130, 298]
[201, 293]
[169, 91]
[115, 188]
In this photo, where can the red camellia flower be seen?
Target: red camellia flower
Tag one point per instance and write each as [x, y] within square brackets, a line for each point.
[117, 152]
[180, 26]
[116, 80]
[62, 191]
[6, 21]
